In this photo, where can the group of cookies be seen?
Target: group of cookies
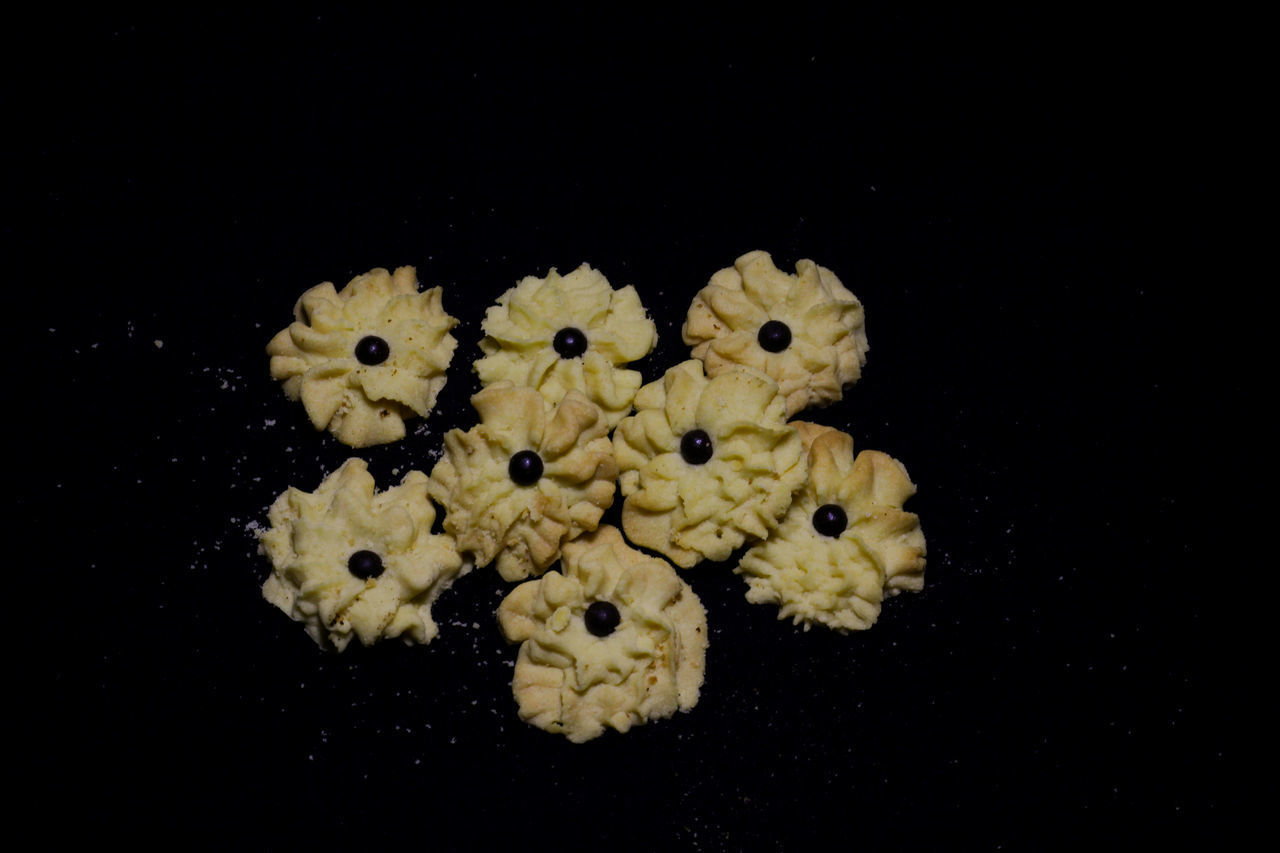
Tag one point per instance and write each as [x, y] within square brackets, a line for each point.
[706, 458]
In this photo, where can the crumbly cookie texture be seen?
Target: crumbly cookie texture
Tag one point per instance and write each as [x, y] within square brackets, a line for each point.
[572, 680]
[524, 526]
[705, 508]
[520, 343]
[314, 536]
[827, 344]
[365, 400]
[840, 580]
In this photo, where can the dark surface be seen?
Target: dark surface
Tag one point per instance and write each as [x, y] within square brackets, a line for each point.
[987, 188]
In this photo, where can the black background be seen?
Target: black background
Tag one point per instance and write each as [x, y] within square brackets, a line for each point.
[1001, 195]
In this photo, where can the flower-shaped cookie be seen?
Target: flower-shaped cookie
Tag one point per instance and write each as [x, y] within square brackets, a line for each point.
[706, 462]
[806, 331]
[526, 479]
[348, 560]
[845, 543]
[567, 333]
[616, 640]
[364, 358]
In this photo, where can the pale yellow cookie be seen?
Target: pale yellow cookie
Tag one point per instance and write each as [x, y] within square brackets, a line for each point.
[707, 463]
[572, 332]
[350, 561]
[807, 331]
[365, 358]
[525, 480]
[845, 544]
[616, 639]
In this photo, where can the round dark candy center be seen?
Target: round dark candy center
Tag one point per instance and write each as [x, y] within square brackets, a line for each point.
[774, 336]
[695, 447]
[372, 350]
[364, 564]
[570, 342]
[525, 468]
[601, 618]
[830, 520]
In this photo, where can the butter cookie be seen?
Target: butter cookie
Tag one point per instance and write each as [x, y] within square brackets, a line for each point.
[706, 462]
[350, 561]
[365, 358]
[526, 479]
[807, 331]
[572, 332]
[614, 639]
[845, 544]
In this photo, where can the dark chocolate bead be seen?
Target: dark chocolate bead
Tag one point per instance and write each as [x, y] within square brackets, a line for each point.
[774, 336]
[364, 564]
[601, 618]
[372, 350]
[830, 520]
[525, 468]
[570, 342]
[695, 447]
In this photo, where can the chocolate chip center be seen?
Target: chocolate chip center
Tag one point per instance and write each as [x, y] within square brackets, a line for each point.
[695, 447]
[601, 618]
[774, 336]
[525, 468]
[570, 342]
[830, 520]
[372, 350]
[364, 564]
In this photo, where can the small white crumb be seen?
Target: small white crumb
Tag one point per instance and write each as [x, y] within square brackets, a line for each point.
[159, 343]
